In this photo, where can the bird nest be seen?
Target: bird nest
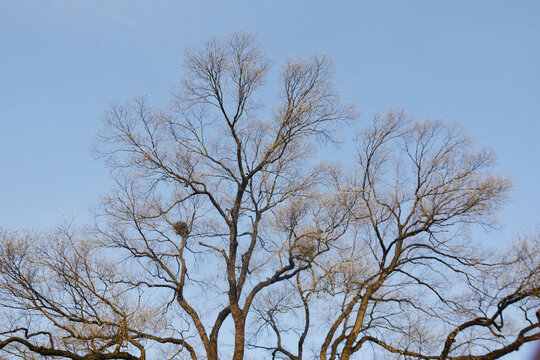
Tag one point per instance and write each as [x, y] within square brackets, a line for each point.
[181, 228]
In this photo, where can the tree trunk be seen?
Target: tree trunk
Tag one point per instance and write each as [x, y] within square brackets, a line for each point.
[239, 338]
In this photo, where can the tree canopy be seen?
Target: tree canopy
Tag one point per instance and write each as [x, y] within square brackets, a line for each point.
[226, 237]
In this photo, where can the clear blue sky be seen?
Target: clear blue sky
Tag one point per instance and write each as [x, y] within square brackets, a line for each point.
[62, 62]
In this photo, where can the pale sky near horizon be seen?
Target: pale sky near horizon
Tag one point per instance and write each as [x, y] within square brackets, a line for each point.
[62, 62]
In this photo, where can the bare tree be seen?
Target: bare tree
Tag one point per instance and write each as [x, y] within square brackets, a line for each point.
[224, 222]
[408, 280]
[61, 297]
